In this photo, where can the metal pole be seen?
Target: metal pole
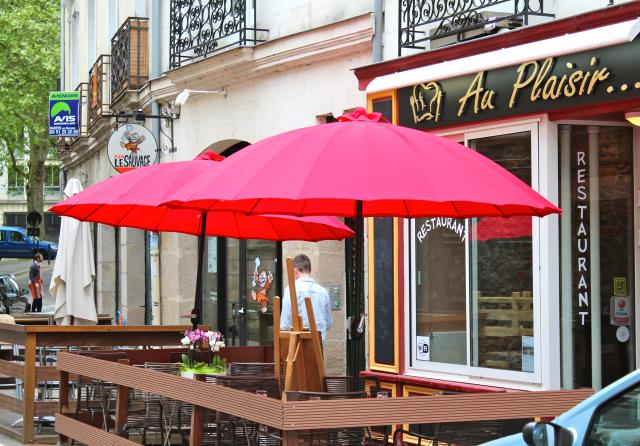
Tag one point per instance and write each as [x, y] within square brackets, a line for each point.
[201, 240]
[566, 261]
[358, 308]
[594, 258]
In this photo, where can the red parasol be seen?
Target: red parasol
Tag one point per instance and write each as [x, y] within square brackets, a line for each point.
[132, 199]
[362, 166]
[395, 171]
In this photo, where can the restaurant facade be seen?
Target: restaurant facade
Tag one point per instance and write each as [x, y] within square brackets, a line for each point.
[516, 303]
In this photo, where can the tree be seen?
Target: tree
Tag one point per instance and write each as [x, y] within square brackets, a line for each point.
[29, 67]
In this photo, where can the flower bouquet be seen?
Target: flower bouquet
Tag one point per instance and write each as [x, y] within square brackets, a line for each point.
[203, 341]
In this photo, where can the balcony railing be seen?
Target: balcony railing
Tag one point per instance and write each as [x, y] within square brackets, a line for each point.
[65, 143]
[99, 89]
[426, 24]
[203, 27]
[129, 57]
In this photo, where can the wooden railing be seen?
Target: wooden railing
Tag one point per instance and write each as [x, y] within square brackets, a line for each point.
[289, 416]
[29, 339]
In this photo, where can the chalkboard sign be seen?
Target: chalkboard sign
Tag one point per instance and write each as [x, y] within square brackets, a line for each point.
[383, 106]
[383, 287]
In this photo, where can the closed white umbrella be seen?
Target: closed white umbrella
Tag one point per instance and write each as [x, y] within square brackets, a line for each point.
[73, 271]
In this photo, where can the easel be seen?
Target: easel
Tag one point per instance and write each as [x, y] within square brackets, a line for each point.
[299, 349]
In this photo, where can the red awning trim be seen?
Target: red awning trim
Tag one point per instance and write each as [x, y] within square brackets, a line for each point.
[434, 383]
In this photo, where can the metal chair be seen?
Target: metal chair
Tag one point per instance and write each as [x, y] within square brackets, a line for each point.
[228, 429]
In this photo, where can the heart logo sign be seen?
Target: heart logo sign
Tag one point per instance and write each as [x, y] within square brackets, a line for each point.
[425, 102]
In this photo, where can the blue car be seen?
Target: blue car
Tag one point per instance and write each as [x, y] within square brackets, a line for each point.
[610, 417]
[16, 244]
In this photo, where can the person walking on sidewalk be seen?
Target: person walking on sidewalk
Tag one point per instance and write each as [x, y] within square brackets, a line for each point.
[35, 283]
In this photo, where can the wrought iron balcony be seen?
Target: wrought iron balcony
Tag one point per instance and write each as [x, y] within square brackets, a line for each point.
[427, 24]
[65, 143]
[129, 57]
[203, 27]
[99, 89]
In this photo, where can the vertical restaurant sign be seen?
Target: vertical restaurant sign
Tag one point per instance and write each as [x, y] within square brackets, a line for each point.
[584, 78]
[582, 236]
[64, 113]
[132, 146]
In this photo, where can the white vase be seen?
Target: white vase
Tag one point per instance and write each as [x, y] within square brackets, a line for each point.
[187, 375]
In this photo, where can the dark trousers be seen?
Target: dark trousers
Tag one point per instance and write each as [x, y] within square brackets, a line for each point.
[36, 306]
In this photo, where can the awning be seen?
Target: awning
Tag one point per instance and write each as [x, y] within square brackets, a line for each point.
[604, 36]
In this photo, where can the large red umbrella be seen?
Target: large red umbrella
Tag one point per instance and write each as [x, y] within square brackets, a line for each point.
[395, 171]
[132, 199]
[362, 166]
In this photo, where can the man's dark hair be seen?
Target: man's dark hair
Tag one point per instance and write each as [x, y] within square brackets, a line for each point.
[36, 256]
[302, 263]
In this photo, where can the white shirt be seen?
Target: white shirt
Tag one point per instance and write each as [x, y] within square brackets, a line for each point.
[307, 287]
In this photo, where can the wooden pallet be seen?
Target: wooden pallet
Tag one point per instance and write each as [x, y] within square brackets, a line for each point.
[503, 316]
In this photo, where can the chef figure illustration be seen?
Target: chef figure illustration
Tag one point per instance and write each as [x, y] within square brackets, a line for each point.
[261, 283]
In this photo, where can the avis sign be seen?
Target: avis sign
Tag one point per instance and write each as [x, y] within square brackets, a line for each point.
[132, 146]
[64, 113]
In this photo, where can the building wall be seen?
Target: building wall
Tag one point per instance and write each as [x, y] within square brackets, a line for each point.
[299, 76]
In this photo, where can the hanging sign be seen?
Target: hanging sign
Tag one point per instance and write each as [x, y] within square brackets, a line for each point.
[132, 146]
[64, 113]
[589, 77]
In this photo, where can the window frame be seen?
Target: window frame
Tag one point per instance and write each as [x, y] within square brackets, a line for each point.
[467, 372]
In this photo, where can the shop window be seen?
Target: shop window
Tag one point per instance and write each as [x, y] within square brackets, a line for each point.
[473, 281]
[501, 270]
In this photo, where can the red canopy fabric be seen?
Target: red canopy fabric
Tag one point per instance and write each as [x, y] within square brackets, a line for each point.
[132, 199]
[392, 170]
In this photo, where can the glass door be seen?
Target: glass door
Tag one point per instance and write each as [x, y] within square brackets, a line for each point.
[240, 281]
[597, 254]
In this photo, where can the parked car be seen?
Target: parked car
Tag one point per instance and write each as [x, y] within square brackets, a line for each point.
[610, 417]
[16, 244]
[10, 293]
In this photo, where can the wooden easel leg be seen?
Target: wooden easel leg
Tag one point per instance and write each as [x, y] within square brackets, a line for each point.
[290, 381]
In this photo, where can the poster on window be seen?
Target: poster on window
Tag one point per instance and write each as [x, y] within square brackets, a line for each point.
[527, 354]
[423, 348]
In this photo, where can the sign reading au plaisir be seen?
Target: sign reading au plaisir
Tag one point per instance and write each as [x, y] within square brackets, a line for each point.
[132, 146]
[64, 113]
[589, 77]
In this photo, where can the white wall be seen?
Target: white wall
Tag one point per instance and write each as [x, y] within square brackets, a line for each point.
[266, 106]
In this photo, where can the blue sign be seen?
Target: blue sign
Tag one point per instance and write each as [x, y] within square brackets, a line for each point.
[64, 113]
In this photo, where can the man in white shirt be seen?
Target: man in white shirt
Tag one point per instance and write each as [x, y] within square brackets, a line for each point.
[307, 287]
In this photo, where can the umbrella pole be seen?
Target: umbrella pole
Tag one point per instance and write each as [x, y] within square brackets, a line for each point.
[357, 337]
[196, 316]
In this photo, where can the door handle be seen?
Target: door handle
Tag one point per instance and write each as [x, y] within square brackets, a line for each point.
[241, 310]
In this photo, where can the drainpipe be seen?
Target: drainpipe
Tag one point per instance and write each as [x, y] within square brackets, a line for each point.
[378, 11]
[152, 252]
[62, 45]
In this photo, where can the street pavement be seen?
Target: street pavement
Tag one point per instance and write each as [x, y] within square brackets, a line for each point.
[20, 269]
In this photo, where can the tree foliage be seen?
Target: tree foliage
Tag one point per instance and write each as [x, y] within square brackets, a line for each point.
[29, 67]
